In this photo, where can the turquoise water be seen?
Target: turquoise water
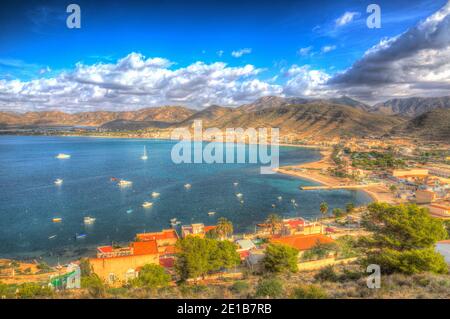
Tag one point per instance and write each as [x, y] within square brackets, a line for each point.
[29, 199]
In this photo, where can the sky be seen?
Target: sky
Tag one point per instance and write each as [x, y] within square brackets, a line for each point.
[133, 54]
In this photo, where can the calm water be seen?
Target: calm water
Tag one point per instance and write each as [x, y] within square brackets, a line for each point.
[29, 199]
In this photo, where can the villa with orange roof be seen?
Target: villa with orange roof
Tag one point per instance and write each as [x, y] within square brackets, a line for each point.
[302, 242]
[116, 265]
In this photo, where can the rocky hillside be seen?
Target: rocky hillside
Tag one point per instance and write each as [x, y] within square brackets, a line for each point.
[431, 125]
[413, 106]
[161, 114]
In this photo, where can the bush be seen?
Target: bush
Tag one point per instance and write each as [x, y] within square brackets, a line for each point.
[152, 277]
[309, 292]
[327, 274]
[271, 288]
[240, 287]
[280, 258]
[94, 285]
[34, 290]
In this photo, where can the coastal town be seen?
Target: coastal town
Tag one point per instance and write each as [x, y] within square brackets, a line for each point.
[394, 172]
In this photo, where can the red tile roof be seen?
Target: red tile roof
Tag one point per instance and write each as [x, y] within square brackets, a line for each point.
[302, 242]
[165, 234]
[295, 223]
[145, 247]
[105, 249]
[208, 228]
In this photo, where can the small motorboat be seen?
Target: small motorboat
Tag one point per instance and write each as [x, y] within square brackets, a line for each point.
[124, 183]
[187, 186]
[62, 156]
[129, 211]
[280, 198]
[144, 156]
[293, 201]
[235, 183]
[57, 220]
[89, 220]
[58, 181]
[155, 194]
[113, 179]
[147, 204]
[239, 195]
[273, 206]
[52, 237]
[80, 236]
[211, 213]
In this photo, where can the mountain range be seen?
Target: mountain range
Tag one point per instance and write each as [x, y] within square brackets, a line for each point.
[427, 118]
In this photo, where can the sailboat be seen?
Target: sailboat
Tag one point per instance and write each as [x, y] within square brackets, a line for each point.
[144, 157]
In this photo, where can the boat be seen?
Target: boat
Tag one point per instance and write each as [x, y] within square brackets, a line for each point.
[129, 211]
[211, 213]
[58, 181]
[273, 205]
[89, 220]
[57, 220]
[144, 156]
[239, 195]
[147, 204]
[187, 186]
[114, 179]
[173, 220]
[123, 183]
[155, 194]
[235, 183]
[62, 156]
[51, 237]
[80, 236]
[280, 198]
[293, 201]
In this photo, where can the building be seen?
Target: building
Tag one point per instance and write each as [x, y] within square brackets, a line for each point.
[425, 196]
[302, 242]
[166, 237]
[443, 247]
[71, 279]
[440, 209]
[198, 229]
[411, 175]
[299, 226]
[120, 264]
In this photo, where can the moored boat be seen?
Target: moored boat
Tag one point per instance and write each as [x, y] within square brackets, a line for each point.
[62, 156]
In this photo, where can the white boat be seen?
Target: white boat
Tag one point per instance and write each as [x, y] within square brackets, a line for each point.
[58, 181]
[129, 211]
[51, 237]
[173, 220]
[62, 156]
[280, 198]
[155, 194]
[144, 156]
[211, 213]
[239, 195]
[187, 186]
[293, 201]
[147, 204]
[89, 220]
[235, 183]
[123, 183]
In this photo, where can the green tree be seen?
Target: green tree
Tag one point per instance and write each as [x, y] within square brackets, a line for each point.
[337, 212]
[403, 239]
[199, 256]
[152, 277]
[269, 288]
[31, 290]
[224, 228]
[274, 221]
[94, 285]
[350, 208]
[393, 188]
[280, 258]
[85, 267]
[324, 208]
[309, 292]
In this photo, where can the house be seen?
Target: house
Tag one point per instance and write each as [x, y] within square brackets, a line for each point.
[166, 237]
[244, 248]
[302, 242]
[440, 209]
[198, 229]
[71, 279]
[410, 175]
[120, 264]
[425, 196]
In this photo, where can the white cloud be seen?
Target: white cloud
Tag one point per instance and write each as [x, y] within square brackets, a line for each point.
[346, 18]
[241, 52]
[305, 51]
[302, 81]
[135, 82]
[328, 48]
[416, 62]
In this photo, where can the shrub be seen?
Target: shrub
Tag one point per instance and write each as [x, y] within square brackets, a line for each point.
[240, 287]
[34, 290]
[271, 288]
[327, 274]
[152, 277]
[94, 285]
[280, 258]
[309, 292]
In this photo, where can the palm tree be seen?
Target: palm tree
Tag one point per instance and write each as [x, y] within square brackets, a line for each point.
[324, 208]
[224, 228]
[274, 221]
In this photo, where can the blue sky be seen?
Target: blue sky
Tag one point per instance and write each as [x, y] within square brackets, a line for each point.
[273, 37]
